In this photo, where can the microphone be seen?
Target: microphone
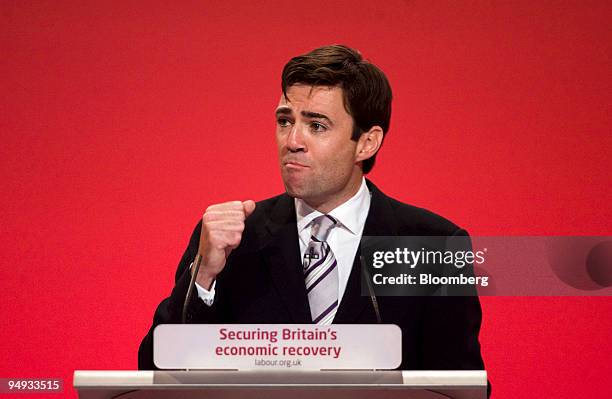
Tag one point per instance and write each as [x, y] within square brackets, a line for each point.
[368, 279]
[194, 273]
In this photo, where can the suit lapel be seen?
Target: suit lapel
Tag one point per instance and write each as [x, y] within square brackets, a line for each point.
[283, 254]
[380, 222]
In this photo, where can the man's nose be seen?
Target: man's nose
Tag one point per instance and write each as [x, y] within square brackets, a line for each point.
[295, 139]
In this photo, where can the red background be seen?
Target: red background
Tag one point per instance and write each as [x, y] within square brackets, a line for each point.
[122, 121]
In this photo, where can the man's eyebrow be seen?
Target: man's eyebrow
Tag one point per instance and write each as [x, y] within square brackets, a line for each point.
[310, 114]
[283, 111]
[306, 114]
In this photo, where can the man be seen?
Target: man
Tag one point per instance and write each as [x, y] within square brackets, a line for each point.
[293, 258]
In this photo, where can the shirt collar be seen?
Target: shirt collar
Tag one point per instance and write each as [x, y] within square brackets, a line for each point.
[350, 215]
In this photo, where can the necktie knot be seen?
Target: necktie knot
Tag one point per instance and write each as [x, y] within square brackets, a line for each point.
[321, 226]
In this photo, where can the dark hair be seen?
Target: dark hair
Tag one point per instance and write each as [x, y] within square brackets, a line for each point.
[366, 90]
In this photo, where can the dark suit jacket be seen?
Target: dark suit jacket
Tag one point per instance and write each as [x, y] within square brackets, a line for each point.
[263, 282]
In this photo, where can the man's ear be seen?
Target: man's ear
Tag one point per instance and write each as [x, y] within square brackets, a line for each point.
[369, 143]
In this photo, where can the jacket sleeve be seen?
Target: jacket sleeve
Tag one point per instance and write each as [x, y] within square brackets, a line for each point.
[452, 325]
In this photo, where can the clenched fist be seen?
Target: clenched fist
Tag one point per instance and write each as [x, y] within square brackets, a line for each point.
[222, 227]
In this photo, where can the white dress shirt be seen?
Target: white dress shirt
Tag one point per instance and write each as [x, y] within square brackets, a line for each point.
[343, 239]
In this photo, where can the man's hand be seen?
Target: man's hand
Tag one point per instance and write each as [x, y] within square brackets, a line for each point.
[222, 227]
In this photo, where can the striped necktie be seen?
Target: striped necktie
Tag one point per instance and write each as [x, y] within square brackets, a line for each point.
[321, 272]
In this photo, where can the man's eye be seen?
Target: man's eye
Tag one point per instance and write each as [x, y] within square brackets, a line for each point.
[283, 122]
[318, 127]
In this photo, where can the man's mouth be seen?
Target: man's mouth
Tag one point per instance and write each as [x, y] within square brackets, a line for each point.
[294, 165]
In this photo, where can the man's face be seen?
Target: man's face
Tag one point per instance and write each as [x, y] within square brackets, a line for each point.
[317, 156]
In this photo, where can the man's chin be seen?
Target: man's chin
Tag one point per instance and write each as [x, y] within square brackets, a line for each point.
[293, 193]
[296, 191]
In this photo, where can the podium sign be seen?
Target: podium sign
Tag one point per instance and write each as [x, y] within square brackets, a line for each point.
[277, 346]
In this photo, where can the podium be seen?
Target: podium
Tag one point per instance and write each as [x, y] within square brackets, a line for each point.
[335, 384]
